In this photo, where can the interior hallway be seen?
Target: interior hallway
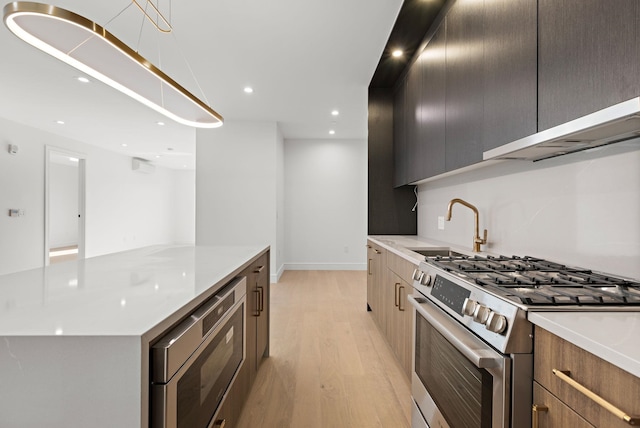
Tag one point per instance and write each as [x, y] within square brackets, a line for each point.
[329, 365]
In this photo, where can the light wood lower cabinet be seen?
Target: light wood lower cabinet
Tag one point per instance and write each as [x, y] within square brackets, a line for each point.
[376, 268]
[600, 378]
[388, 285]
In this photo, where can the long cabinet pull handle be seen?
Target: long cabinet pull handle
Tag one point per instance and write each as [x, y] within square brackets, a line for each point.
[400, 297]
[396, 295]
[258, 269]
[369, 267]
[261, 306]
[564, 375]
[257, 311]
[535, 409]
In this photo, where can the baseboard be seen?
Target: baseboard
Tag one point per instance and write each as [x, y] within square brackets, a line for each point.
[325, 266]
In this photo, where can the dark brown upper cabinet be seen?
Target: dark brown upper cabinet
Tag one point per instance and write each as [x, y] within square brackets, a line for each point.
[588, 57]
[510, 71]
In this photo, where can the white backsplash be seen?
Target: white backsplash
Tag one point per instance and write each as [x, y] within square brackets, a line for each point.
[581, 209]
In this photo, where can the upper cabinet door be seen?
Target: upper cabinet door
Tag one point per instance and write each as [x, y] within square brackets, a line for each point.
[510, 71]
[413, 115]
[400, 135]
[464, 97]
[431, 151]
[588, 57]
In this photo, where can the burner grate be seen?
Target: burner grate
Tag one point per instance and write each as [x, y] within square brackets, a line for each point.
[534, 281]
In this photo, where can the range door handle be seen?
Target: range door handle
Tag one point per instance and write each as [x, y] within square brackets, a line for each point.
[475, 350]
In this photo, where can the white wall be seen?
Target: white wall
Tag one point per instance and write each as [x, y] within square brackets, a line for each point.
[63, 205]
[237, 186]
[124, 209]
[581, 209]
[326, 204]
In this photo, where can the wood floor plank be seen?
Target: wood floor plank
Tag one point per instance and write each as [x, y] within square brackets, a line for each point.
[329, 366]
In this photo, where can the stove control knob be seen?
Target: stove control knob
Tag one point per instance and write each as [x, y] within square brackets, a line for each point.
[469, 306]
[426, 279]
[417, 274]
[481, 314]
[496, 323]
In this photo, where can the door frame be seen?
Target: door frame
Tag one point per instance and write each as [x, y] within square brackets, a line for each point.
[82, 176]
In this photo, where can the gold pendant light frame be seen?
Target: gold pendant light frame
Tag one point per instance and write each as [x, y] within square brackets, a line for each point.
[90, 48]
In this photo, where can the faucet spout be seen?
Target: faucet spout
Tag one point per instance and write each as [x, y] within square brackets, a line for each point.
[477, 240]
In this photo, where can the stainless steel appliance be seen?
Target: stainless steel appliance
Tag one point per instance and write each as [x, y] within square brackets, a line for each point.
[194, 364]
[473, 344]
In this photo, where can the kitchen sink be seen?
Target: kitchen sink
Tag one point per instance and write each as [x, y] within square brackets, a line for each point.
[432, 252]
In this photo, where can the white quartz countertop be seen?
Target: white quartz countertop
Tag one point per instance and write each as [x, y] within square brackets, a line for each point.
[120, 294]
[612, 336]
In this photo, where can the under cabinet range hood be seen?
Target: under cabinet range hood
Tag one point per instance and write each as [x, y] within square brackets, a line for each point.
[620, 122]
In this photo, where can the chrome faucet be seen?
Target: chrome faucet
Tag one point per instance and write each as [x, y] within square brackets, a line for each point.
[477, 240]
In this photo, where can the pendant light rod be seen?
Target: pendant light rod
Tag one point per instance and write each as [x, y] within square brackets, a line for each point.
[90, 48]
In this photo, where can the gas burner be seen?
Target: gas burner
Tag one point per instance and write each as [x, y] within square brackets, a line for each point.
[533, 281]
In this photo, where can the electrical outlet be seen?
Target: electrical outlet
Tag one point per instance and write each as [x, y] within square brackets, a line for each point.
[440, 222]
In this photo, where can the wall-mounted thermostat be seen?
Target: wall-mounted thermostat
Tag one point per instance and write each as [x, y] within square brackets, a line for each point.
[13, 149]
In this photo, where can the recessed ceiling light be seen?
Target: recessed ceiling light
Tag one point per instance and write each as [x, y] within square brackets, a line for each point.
[248, 89]
[160, 123]
[124, 144]
[60, 122]
[82, 79]
[335, 113]
[74, 159]
[158, 156]
[332, 132]
[396, 53]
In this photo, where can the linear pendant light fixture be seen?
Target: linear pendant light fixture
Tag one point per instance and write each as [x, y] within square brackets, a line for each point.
[90, 48]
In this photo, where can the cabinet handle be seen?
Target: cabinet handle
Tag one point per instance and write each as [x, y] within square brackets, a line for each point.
[261, 306]
[396, 297]
[534, 414]
[564, 375]
[377, 252]
[220, 423]
[257, 311]
[369, 267]
[258, 269]
[400, 298]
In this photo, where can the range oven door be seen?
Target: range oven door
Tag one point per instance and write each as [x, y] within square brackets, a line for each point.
[458, 381]
[190, 396]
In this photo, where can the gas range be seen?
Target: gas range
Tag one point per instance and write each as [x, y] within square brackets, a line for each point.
[491, 295]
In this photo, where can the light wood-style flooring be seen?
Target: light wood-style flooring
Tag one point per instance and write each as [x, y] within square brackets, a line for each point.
[330, 366]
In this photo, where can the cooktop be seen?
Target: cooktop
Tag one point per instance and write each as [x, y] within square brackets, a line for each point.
[533, 281]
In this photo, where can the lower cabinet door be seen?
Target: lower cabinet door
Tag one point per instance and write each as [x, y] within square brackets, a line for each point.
[553, 413]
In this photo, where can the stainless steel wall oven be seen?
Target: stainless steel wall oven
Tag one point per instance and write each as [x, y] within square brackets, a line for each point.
[194, 364]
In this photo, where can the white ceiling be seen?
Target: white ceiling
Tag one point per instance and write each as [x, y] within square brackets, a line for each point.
[303, 59]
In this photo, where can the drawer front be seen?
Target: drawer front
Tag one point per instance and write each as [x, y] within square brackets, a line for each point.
[613, 384]
[401, 267]
[555, 414]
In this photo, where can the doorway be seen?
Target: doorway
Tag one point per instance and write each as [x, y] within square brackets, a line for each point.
[64, 205]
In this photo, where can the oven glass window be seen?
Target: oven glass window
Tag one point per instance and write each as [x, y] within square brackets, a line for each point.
[462, 392]
[201, 388]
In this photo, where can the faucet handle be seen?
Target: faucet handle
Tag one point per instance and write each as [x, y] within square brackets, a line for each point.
[480, 240]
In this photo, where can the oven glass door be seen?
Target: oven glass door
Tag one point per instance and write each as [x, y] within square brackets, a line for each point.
[201, 388]
[466, 382]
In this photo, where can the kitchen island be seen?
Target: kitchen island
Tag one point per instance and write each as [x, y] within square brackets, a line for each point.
[75, 336]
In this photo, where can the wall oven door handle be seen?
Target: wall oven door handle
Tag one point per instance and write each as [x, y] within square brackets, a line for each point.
[476, 351]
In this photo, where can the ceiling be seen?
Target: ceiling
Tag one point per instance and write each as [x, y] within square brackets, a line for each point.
[303, 59]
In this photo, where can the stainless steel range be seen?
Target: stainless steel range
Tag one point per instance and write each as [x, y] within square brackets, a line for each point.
[473, 344]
